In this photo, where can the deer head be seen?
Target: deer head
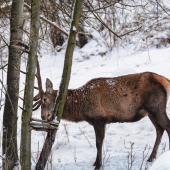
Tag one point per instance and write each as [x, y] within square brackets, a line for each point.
[44, 99]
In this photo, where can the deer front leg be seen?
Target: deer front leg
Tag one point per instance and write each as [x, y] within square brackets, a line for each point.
[99, 128]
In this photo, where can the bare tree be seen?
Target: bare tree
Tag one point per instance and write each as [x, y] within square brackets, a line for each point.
[29, 89]
[13, 76]
[60, 101]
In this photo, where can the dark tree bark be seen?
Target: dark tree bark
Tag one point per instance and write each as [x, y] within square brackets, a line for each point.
[10, 111]
[29, 90]
[60, 101]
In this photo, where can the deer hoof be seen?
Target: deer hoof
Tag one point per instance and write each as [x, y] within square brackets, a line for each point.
[151, 158]
[94, 163]
[97, 168]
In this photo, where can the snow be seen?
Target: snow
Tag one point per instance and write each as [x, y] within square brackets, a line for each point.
[55, 120]
[74, 29]
[162, 163]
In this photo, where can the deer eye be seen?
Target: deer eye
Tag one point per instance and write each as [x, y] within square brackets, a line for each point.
[45, 99]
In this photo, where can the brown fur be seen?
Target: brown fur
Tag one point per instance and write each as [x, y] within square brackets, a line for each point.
[122, 99]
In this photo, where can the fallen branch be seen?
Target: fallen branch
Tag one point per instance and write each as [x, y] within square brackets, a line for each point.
[47, 125]
[40, 129]
[44, 121]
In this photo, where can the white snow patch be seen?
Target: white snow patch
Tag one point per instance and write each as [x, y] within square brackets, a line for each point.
[162, 162]
[111, 82]
[55, 120]
[74, 29]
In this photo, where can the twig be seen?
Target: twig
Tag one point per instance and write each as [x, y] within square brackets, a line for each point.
[9, 99]
[130, 31]
[48, 21]
[26, 51]
[23, 45]
[20, 97]
[144, 156]
[103, 7]
[132, 5]
[85, 136]
[99, 19]
[21, 108]
[4, 41]
[162, 7]
[34, 87]
[3, 66]
[20, 70]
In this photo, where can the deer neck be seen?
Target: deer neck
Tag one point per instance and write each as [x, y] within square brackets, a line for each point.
[72, 107]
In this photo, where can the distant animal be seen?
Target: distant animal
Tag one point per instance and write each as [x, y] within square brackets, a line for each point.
[102, 101]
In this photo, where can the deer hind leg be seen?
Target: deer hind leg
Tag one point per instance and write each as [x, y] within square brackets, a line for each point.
[99, 128]
[164, 122]
[159, 133]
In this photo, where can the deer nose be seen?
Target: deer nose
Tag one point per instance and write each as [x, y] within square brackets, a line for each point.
[43, 117]
[49, 117]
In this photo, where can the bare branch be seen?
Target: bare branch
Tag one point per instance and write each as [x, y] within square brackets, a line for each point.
[130, 31]
[99, 19]
[9, 99]
[48, 21]
[134, 6]
[162, 7]
[24, 50]
[103, 7]
[23, 45]
[21, 108]
[3, 66]
[20, 97]
[20, 70]
[4, 41]
[34, 87]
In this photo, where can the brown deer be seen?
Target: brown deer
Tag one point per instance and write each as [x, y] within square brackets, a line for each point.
[102, 101]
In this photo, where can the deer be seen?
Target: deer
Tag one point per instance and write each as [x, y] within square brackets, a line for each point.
[101, 101]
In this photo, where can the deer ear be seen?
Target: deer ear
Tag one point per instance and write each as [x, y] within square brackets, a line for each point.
[49, 86]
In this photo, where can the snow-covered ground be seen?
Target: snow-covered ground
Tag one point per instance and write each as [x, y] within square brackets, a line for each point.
[74, 147]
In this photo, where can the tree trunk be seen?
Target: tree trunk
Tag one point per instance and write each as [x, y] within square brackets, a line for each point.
[13, 76]
[62, 93]
[29, 89]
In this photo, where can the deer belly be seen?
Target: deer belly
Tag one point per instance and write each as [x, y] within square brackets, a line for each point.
[126, 113]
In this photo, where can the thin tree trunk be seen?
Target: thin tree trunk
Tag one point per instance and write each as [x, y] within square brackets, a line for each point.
[60, 101]
[29, 90]
[11, 102]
